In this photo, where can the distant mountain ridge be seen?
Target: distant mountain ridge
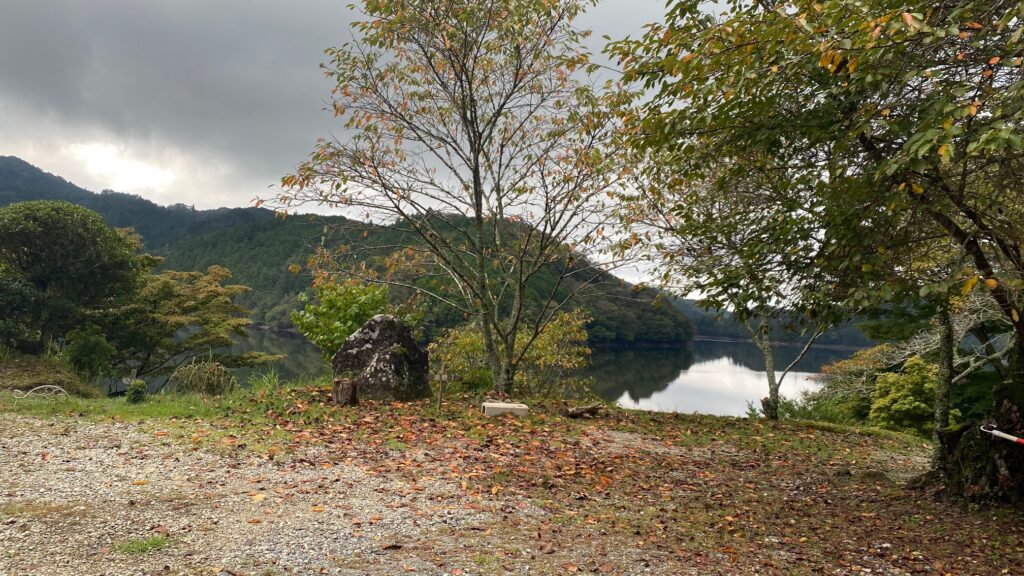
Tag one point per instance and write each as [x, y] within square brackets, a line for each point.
[258, 248]
[158, 225]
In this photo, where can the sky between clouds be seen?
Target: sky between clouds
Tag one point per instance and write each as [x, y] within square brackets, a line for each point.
[196, 101]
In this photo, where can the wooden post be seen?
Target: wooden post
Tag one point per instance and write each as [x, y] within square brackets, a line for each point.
[345, 392]
[441, 379]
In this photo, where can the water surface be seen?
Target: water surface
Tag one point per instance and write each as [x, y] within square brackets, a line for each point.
[709, 377]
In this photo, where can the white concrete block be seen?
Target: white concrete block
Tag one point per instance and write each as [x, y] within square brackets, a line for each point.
[497, 408]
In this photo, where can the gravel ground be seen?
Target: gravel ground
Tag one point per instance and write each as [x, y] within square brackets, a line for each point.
[81, 499]
[72, 495]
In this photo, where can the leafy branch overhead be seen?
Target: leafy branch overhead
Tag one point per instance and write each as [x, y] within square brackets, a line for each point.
[905, 124]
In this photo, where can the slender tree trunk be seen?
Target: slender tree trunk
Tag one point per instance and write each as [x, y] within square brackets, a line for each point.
[944, 379]
[493, 357]
[508, 366]
[770, 404]
[490, 347]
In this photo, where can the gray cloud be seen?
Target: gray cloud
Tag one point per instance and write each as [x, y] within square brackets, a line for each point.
[227, 94]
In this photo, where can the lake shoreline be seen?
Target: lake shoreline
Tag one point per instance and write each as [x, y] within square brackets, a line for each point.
[727, 339]
[618, 345]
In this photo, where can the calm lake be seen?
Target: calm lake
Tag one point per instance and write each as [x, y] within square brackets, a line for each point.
[712, 377]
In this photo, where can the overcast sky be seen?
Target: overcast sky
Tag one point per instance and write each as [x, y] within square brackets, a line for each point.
[206, 102]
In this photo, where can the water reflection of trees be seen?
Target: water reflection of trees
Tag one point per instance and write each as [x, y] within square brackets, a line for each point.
[642, 373]
[747, 355]
[300, 357]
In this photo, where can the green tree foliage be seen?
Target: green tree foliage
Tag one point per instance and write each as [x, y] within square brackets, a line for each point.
[902, 122]
[59, 265]
[88, 351]
[70, 280]
[177, 316]
[337, 312]
[549, 368]
[905, 400]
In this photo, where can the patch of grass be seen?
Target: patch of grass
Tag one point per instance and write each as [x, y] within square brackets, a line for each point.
[33, 509]
[160, 407]
[142, 545]
[397, 445]
[908, 440]
[487, 560]
[267, 380]
[25, 372]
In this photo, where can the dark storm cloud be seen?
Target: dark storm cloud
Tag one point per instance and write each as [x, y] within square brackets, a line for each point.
[238, 78]
[229, 92]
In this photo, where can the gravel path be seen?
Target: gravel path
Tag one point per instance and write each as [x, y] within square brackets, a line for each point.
[73, 495]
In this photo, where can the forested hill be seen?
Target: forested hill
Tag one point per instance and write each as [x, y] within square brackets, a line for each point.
[258, 248]
[712, 325]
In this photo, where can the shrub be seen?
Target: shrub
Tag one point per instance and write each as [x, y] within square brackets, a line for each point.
[905, 400]
[826, 406]
[25, 372]
[88, 352]
[136, 392]
[338, 311]
[204, 378]
[547, 370]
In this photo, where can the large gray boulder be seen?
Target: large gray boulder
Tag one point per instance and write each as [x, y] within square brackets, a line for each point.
[382, 361]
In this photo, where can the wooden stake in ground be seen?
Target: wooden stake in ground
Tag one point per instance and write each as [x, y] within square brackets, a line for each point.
[344, 392]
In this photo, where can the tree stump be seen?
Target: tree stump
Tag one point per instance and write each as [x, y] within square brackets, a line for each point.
[344, 393]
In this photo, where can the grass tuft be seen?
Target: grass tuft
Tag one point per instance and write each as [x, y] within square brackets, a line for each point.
[142, 545]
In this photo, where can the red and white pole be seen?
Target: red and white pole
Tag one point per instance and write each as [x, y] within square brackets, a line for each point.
[992, 430]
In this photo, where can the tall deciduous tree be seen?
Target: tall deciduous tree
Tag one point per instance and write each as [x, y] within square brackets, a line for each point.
[469, 126]
[906, 119]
